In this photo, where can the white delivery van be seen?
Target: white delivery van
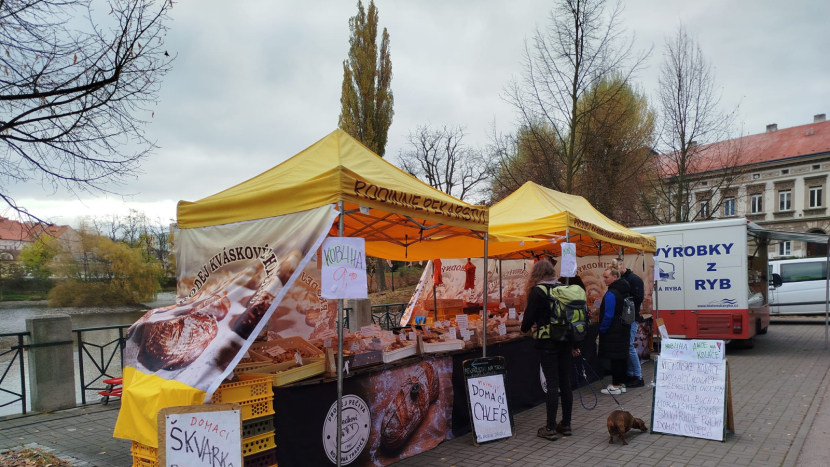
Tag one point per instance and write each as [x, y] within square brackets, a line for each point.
[710, 286]
[799, 286]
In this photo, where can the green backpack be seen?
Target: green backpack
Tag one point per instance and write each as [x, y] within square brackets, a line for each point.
[568, 314]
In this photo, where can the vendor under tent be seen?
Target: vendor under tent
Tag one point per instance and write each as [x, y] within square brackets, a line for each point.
[399, 217]
[550, 218]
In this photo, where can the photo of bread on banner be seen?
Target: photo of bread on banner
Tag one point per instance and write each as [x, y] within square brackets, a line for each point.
[594, 286]
[409, 408]
[173, 337]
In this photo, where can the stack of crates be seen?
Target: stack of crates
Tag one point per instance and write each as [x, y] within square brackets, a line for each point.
[256, 398]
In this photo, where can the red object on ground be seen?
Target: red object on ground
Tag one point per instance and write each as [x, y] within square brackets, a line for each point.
[113, 389]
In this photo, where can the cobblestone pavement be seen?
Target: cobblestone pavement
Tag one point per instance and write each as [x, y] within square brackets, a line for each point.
[777, 387]
[773, 388]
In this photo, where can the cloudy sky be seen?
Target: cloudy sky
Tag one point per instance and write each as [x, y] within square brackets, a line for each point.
[255, 82]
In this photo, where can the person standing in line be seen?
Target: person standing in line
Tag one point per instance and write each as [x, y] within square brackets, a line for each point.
[555, 355]
[613, 333]
[635, 371]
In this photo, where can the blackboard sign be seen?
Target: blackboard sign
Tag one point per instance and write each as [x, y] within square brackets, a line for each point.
[487, 399]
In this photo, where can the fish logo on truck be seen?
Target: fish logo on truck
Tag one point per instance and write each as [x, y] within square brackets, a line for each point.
[667, 271]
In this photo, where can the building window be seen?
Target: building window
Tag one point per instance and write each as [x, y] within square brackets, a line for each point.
[785, 171]
[704, 183]
[704, 209]
[817, 167]
[785, 200]
[785, 249]
[815, 196]
[756, 176]
[729, 207]
[756, 204]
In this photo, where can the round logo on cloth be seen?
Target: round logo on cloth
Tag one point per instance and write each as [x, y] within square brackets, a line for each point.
[543, 380]
[356, 419]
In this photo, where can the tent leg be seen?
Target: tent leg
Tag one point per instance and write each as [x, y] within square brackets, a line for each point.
[501, 295]
[340, 355]
[484, 315]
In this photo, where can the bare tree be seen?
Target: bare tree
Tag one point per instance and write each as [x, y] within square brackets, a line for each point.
[440, 158]
[701, 162]
[583, 45]
[73, 102]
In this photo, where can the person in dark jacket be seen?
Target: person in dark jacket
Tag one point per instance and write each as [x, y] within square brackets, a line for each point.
[613, 334]
[555, 355]
[635, 372]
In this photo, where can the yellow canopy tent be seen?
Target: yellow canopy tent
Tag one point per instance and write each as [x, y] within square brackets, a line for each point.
[400, 217]
[536, 211]
[406, 219]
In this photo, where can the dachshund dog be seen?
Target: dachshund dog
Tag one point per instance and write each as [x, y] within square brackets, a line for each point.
[620, 423]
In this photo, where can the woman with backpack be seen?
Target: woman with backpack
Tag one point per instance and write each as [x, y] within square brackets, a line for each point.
[614, 334]
[555, 354]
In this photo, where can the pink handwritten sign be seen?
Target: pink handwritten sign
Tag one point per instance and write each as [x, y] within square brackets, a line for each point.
[344, 268]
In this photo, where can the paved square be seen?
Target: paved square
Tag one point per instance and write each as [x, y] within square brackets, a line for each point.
[777, 387]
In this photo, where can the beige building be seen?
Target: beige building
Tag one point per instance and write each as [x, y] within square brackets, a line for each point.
[780, 184]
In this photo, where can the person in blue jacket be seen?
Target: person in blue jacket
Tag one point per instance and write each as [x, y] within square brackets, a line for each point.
[614, 336]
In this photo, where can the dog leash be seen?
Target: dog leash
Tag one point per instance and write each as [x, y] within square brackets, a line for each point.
[585, 364]
[579, 389]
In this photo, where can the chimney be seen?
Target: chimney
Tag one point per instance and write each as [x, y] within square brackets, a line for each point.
[772, 127]
[692, 144]
[819, 118]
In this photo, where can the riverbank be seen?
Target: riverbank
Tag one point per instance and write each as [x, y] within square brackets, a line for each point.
[13, 315]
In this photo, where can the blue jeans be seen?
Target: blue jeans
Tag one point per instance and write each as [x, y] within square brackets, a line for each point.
[634, 370]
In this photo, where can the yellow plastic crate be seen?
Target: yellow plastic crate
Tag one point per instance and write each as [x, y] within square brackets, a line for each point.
[257, 444]
[248, 367]
[145, 451]
[256, 408]
[280, 375]
[141, 461]
[243, 391]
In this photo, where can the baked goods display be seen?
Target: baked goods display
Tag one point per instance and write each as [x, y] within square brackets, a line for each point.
[409, 407]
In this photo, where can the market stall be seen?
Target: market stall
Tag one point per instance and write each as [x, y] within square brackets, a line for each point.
[239, 254]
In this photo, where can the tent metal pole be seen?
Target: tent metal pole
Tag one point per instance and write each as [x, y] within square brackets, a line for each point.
[501, 295]
[567, 240]
[340, 354]
[827, 297]
[484, 315]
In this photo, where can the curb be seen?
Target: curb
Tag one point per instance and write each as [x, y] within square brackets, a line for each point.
[801, 436]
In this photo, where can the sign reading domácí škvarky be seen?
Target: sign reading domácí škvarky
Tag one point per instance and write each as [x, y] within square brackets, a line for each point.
[209, 434]
[691, 389]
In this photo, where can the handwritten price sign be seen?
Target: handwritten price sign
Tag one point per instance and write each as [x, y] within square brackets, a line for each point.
[344, 268]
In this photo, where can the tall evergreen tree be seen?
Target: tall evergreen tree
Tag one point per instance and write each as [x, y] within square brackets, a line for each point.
[366, 99]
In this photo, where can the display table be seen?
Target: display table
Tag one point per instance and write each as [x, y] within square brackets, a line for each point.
[372, 435]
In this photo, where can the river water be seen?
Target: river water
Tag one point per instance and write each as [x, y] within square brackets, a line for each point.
[13, 319]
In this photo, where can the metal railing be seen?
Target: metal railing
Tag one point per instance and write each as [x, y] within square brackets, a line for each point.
[17, 357]
[101, 357]
[346, 312]
[388, 316]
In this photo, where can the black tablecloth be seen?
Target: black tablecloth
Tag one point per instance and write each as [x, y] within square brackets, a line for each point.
[301, 409]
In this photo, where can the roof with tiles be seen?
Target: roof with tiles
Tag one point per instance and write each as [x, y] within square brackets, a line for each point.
[777, 145]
